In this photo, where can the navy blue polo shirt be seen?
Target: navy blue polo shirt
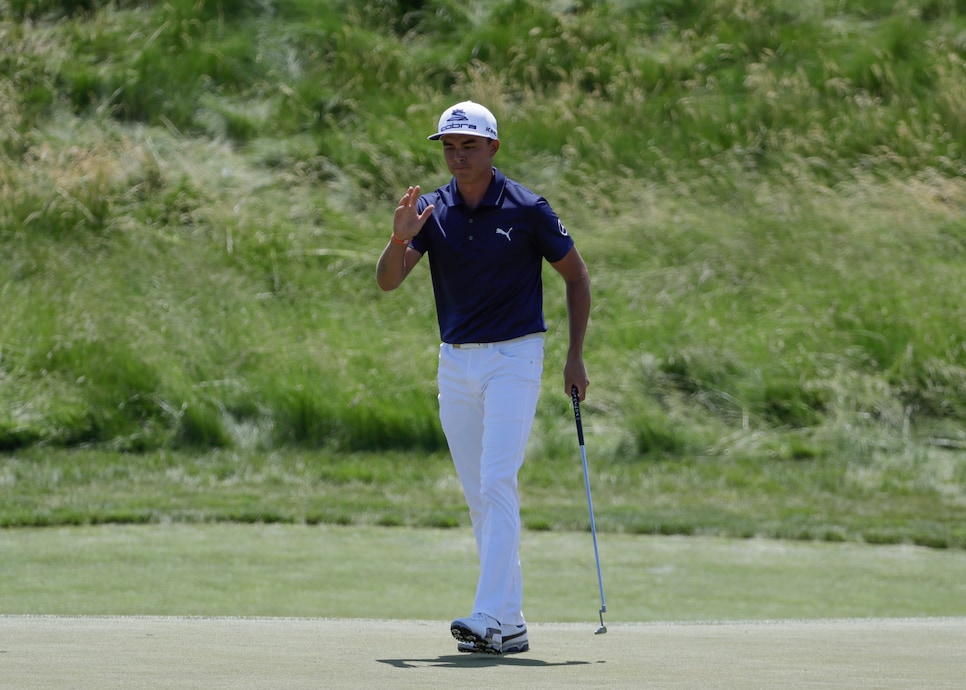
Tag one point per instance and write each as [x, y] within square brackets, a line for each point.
[486, 263]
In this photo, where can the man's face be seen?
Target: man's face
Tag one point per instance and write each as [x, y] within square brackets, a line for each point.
[469, 158]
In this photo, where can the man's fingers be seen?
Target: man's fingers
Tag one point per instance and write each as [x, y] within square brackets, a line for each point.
[406, 222]
[581, 388]
[413, 195]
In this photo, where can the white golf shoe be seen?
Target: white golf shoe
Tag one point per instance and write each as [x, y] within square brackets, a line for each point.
[515, 641]
[481, 631]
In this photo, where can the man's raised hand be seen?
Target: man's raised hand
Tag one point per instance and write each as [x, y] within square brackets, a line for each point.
[406, 222]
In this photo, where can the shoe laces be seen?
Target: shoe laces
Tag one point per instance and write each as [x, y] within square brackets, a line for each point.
[489, 620]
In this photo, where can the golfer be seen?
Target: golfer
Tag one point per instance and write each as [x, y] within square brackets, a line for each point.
[487, 237]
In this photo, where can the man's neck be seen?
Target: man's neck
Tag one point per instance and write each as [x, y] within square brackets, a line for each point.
[472, 193]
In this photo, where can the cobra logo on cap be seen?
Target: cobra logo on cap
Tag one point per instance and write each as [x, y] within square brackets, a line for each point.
[457, 120]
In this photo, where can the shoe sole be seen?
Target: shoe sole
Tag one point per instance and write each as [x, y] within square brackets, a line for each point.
[480, 645]
[512, 644]
[470, 648]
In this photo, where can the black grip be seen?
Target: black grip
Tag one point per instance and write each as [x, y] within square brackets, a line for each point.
[575, 397]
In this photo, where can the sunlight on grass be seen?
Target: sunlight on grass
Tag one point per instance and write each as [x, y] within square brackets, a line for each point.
[769, 196]
[330, 572]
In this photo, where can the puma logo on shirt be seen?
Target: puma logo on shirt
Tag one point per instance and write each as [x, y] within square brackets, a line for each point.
[505, 233]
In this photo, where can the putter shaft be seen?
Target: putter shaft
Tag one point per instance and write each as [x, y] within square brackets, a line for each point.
[575, 397]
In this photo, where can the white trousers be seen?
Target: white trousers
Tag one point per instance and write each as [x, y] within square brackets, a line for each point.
[487, 400]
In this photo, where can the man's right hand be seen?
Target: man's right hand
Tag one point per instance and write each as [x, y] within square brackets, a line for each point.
[406, 222]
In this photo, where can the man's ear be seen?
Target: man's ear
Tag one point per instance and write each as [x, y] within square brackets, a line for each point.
[494, 146]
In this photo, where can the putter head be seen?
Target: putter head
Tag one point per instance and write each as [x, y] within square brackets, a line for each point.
[601, 630]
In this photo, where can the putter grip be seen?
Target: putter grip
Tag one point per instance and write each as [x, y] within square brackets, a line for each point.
[575, 397]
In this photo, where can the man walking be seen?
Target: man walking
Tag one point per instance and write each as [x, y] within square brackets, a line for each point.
[487, 237]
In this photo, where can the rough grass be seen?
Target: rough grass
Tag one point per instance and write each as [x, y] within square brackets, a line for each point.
[769, 195]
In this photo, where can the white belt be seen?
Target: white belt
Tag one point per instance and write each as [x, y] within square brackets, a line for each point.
[474, 346]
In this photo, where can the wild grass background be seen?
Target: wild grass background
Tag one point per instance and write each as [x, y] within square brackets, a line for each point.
[770, 196]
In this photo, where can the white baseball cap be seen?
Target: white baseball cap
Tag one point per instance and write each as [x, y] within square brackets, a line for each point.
[466, 118]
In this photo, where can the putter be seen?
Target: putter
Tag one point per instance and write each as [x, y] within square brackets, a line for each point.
[575, 396]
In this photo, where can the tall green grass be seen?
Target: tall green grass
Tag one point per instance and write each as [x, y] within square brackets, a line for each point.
[769, 195]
